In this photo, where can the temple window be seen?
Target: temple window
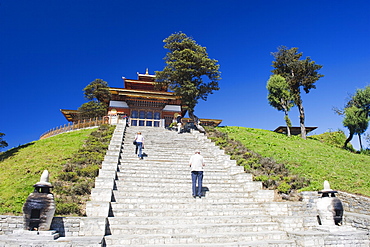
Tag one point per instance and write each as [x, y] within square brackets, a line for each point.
[134, 114]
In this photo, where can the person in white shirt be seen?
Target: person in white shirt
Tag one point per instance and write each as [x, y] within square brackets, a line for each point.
[196, 163]
[139, 138]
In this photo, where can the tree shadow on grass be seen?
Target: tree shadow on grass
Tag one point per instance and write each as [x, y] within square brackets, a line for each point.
[11, 152]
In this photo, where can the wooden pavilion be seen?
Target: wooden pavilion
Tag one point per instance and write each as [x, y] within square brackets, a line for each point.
[294, 130]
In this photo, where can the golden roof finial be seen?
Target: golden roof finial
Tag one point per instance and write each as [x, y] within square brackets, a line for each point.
[147, 71]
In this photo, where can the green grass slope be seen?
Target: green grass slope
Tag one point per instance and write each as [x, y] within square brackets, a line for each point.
[311, 158]
[21, 167]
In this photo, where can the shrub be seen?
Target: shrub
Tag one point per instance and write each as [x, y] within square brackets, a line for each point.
[335, 139]
[63, 208]
[284, 187]
[82, 187]
[89, 171]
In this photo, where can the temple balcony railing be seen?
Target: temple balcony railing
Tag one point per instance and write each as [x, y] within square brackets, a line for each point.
[81, 124]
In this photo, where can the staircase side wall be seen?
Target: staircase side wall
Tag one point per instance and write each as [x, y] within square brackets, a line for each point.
[354, 203]
[9, 224]
[65, 226]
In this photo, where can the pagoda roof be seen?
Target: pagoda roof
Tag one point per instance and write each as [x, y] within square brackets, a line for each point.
[144, 82]
[146, 76]
[142, 93]
[142, 85]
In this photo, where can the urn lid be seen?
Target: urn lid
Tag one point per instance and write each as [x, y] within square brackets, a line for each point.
[44, 180]
[327, 188]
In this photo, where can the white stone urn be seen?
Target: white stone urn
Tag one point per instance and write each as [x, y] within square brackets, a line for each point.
[329, 207]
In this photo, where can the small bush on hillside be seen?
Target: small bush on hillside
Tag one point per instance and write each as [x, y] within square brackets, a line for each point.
[68, 176]
[335, 139]
[272, 174]
[89, 171]
[64, 208]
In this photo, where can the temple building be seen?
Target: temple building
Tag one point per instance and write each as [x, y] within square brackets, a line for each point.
[143, 104]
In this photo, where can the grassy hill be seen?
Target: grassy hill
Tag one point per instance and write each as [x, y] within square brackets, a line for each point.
[313, 158]
[21, 167]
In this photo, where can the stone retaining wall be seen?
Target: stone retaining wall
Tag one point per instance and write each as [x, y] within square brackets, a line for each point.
[10, 224]
[359, 221]
[65, 226]
[354, 203]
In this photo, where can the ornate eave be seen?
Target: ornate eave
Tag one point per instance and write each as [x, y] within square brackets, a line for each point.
[70, 115]
[139, 81]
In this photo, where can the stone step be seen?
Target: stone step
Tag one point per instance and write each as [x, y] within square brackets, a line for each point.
[126, 197]
[178, 159]
[169, 143]
[167, 172]
[144, 165]
[172, 190]
[188, 220]
[180, 181]
[173, 164]
[184, 187]
[24, 241]
[177, 177]
[145, 210]
[184, 239]
[197, 228]
[179, 194]
[266, 243]
[166, 164]
[140, 168]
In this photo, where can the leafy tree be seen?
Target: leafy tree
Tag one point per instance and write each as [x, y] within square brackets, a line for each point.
[356, 114]
[298, 74]
[280, 97]
[3, 143]
[98, 90]
[189, 72]
[92, 109]
[356, 121]
[361, 99]
[99, 95]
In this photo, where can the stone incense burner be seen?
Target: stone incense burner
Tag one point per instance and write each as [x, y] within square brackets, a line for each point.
[39, 209]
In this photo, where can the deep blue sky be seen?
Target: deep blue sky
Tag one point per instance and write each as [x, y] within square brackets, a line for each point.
[50, 50]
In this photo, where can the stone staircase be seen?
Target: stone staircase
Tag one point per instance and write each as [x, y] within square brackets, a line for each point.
[153, 204]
